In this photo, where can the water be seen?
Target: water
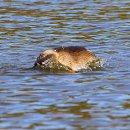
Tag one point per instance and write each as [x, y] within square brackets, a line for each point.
[32, 99]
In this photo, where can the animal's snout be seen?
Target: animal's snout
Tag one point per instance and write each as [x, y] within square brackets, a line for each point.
[39, 59]
[41, 55]
[44, 59]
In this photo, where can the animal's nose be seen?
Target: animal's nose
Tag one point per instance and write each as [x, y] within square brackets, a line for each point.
[41, 55]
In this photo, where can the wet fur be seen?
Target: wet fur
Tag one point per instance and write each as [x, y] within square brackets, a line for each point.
[74, 57]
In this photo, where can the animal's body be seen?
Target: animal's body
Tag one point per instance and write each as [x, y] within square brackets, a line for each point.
[72, 57]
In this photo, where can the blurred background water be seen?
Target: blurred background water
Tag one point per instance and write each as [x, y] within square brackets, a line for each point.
[32, 99]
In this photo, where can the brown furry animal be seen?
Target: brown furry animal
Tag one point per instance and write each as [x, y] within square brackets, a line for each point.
[72, 58]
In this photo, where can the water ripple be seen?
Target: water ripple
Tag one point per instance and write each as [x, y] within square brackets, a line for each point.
[32, 99]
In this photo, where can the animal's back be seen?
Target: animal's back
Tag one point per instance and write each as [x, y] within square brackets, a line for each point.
[74, 56]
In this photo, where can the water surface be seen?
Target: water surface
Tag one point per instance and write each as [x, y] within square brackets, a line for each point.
[32, 99]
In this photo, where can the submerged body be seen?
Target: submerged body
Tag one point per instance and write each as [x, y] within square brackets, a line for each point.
[72, 58]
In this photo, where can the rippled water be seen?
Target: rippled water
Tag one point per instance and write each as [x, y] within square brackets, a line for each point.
[32, 99]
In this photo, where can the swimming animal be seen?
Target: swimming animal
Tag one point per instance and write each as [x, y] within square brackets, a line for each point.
[71, 58]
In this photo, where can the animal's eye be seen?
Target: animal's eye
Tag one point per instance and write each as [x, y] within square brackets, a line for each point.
[48, 56]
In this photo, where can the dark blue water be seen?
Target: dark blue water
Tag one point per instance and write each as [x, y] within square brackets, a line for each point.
[33, 99]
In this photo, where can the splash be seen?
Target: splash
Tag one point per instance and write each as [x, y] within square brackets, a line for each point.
[95, 65]
[55, 66]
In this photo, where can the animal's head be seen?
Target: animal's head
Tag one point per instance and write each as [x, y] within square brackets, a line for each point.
[46, 58]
